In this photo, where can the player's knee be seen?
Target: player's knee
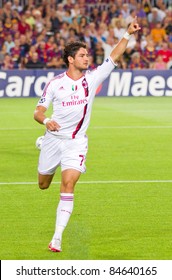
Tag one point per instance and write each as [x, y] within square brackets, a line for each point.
[44, 181]
[68, 187]
[43, 185]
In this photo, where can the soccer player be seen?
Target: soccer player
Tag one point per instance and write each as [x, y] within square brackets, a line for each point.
[65, 143]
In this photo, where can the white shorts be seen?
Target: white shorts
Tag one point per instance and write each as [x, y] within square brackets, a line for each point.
[67, 153]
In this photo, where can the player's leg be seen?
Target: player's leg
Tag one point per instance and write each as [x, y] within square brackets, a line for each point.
[44, 181]
[69, 177]
[65, 206]
[72, 165]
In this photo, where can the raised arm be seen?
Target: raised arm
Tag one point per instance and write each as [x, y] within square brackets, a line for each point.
[122, 44]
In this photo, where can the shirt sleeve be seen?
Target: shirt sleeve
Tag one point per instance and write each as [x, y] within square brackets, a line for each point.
[47, 96]
[103, 71]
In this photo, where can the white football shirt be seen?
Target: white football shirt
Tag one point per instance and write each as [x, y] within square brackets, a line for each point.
[72, 100]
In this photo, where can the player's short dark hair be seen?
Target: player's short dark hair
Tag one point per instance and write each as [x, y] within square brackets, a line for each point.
[71, 49]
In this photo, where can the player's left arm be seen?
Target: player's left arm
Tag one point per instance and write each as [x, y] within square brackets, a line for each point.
[122, 44]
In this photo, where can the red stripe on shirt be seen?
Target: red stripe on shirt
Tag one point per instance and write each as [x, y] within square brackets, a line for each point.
[85, 87]
[80, 123]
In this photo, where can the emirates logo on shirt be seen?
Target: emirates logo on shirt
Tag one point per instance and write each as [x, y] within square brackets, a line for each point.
[74, 102]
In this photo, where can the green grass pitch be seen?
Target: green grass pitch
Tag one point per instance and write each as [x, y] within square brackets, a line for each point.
[123, 204]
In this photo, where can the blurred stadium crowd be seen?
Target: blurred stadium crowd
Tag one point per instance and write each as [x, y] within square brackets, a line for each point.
[33, 33]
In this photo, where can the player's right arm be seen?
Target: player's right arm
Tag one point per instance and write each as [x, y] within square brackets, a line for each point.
[40, 117]
[42, 106]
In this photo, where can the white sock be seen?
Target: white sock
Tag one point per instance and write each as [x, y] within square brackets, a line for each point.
[64, 211]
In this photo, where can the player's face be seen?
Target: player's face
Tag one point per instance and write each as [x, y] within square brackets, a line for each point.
[81, 60]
